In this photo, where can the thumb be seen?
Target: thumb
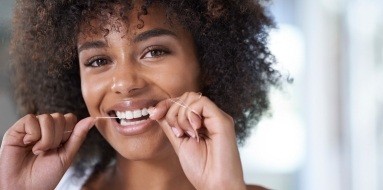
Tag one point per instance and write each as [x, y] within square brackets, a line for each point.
[77, 138]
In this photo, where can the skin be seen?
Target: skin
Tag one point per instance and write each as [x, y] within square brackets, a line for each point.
[189, 144]
[127, 69]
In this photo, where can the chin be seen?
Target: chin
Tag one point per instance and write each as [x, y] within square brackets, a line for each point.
[143, 147]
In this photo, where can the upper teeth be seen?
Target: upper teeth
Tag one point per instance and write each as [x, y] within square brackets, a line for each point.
[132, 114]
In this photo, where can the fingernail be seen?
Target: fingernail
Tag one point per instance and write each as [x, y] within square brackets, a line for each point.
[27, 142]
[151, 110]
[196, 135]
[37, 152]
[176, 131]
[195, 120]
[190, 134]
[196, 114]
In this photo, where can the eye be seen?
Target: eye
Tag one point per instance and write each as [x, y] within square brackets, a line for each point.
[97, 62]
[154, 52]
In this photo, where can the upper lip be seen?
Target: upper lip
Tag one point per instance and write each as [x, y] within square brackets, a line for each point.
[131, 105]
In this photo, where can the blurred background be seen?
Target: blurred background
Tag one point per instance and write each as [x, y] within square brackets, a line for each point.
[326, 128]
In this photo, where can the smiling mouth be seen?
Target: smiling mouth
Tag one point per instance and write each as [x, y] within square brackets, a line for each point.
[130, 117]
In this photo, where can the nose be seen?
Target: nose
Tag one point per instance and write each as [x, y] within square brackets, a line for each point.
[127, 80]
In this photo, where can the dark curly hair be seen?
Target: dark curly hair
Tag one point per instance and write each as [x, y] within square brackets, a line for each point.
[231, 41]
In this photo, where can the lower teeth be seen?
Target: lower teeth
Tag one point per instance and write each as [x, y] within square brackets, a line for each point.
[126, 122]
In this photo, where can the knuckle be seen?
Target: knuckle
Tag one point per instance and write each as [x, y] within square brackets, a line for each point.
[205, 99]
[48, 118]
[229, 119]
[182, 120]
[28, 118]
[56, 114]
[70, 119]
[7, 134]
[70, 115]
[171, 120]
[195, 94]
[184, 96]
[60, 120]
[45, 117]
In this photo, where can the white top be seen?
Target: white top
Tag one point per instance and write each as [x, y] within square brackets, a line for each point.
[68, 182]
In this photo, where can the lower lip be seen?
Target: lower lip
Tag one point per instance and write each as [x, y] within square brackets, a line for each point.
[137, 128]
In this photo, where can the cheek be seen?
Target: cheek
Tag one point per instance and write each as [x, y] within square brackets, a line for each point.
[92, 93]
[179, 79]
[86, 92]
[190, 76]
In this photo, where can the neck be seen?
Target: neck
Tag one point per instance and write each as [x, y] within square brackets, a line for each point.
[159, 173]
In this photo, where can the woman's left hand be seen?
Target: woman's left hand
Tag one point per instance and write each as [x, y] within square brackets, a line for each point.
[203, 137]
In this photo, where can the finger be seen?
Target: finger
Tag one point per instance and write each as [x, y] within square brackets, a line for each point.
[192, 116]
[32, 130]
[158, 113]
[47, 134]
[176, 119]
[59, 125]
[25, 131]
[160, 110]
[172, 121]
[214, 119]
[70, 122]
[171, 133]
[194, 120]
[77, 137]
[172, 113]
[182, 119]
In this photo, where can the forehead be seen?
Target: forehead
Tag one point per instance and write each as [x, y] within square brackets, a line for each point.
[128, 24]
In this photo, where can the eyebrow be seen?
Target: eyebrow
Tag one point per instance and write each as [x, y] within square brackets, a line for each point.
[153, 33]
[139, 38]
[91, 44]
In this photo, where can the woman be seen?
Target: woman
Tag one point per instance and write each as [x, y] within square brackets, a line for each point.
[167, 85]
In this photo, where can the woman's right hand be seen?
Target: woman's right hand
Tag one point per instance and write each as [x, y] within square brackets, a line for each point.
[37, 150]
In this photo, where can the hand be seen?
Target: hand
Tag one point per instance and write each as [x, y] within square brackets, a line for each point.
[37, 150]
[203, 137]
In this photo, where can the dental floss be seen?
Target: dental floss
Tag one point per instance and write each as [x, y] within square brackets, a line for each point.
[187, 107]
[184, 106]
[180, 104]
[197, 136]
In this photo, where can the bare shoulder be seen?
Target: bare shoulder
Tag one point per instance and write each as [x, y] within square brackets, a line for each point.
[255, 187]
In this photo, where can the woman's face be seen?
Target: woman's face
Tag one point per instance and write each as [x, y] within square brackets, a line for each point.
[129, 70]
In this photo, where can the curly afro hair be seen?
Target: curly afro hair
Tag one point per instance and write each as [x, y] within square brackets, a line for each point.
[231, 41]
